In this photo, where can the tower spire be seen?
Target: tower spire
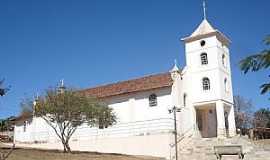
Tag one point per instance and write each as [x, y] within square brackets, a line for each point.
[204, 10]
[175, 62]
[175, 67]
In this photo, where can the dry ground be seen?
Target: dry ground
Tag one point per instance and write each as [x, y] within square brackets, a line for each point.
[265, 143]
[34, 154]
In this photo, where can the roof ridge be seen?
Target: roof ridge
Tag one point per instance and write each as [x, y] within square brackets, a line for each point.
[132, 79]
[152, 81]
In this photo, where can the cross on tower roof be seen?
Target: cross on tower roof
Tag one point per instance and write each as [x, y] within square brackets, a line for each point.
[204, 10]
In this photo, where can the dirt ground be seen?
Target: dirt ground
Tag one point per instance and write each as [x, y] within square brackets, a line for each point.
[265, 143]
[34, 154]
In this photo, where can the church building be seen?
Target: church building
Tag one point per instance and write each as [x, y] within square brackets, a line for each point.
[201, 91]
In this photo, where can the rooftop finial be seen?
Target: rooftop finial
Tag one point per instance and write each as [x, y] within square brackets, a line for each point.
[204, 10]
[62, 83]
[175, 62]
[61, 87]
[36, 96]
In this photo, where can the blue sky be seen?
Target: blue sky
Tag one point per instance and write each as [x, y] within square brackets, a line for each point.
[91, 42]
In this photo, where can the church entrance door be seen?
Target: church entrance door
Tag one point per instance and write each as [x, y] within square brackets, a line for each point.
[207, 121]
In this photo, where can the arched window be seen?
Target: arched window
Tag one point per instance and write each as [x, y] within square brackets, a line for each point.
[204, 59]
[223, 60]
[153, 100]
[226, 85]
[206, 83]
[184, 99]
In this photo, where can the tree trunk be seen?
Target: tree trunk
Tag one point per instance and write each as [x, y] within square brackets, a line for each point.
[66, 147]
[65, 150]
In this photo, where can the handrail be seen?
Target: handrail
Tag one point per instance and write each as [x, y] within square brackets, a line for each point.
[182, 136]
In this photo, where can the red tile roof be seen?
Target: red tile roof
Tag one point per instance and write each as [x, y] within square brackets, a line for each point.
[134, 85]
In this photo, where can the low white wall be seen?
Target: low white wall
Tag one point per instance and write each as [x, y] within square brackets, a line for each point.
[151, 137]
[152, 145]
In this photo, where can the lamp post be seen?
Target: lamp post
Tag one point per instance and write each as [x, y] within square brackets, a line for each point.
[174, 110]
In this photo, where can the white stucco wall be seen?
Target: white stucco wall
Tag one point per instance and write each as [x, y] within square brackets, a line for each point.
[135, 107]
[36, 130]
[152, 145]
[187, 116]
[214, 70]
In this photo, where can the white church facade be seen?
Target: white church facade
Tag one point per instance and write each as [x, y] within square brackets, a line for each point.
[202, 91]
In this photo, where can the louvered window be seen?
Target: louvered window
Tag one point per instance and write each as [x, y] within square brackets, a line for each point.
[206, 83]
[204, 59]
[153, 100]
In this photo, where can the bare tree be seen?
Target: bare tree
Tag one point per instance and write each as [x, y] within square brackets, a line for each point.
[243, 113]
[262, 118]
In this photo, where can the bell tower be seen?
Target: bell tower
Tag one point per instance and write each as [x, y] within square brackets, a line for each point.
[207, 59]
[209, 79]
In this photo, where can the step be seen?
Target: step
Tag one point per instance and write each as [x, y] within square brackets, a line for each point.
[202, 149]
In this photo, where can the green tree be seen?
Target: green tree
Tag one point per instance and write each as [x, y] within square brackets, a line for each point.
[3, 90]
[258, 62]
[66, 110]
[4, 124]
[7, 124]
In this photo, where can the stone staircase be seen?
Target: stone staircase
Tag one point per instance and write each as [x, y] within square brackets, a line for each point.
[202, 148]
